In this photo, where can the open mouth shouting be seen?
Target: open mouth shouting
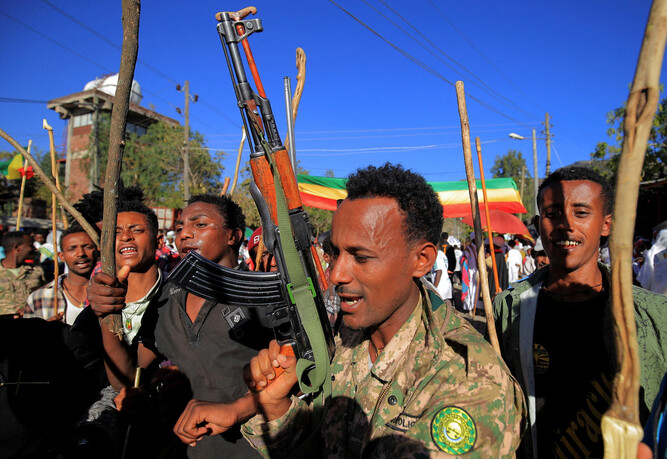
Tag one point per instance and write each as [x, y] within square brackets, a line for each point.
[82, 263]
[128, 251]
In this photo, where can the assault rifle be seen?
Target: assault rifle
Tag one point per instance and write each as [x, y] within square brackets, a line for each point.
[291, 296]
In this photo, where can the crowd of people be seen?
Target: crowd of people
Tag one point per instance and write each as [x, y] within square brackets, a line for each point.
[410, 375]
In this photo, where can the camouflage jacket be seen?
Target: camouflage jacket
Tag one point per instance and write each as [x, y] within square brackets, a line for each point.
[437, 389]
[15, 288]
[514, 312]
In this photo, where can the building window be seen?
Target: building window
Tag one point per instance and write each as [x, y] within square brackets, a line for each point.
[83, 120]
[139, 130]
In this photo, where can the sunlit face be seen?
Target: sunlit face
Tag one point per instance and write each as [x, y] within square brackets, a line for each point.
[79, 253]
[571, 222]
[136, 242]
[373, 266]
[202, 228]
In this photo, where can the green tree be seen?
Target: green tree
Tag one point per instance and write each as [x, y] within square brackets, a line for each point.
[606, 156]
[154, 162]
[511, 165]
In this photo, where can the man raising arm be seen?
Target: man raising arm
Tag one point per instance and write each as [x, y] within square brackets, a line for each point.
[410, 376]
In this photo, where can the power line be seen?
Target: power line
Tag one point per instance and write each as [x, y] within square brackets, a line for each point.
[22, 101]
[116, 46]
[483, 55]
[423, 65]
[106, 40]
[484, 86]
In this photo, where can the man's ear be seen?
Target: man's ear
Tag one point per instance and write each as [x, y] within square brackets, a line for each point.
[606, 225]
[425, 254]
[61, 257]
[536, 223]
[235, 237]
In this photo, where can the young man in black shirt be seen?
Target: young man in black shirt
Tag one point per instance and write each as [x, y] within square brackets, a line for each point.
[555, 328]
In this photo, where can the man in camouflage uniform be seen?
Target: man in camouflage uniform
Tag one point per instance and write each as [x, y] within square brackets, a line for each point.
[410, 377]
[17, 279]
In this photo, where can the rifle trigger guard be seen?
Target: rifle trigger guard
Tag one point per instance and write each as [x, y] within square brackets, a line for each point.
[310, 287]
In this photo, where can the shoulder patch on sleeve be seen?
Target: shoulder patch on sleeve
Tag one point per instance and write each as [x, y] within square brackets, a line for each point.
[453, 430]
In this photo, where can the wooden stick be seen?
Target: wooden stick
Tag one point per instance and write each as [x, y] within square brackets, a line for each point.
[621, 428]
[23, 179]
[492, 249]
[474, 205]
[54, 207]
[56, 174]
[128, 60]
[260, 251]
[298, 92]
[225, 185]
[52, 187]
[238, 162]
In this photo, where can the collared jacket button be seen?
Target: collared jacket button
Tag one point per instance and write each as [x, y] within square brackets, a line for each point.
[392, 400]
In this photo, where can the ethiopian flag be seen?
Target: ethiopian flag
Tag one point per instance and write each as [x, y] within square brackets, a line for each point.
[323, 192]
[10, 168]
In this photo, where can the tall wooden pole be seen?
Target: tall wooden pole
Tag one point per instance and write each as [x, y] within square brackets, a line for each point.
[621, 428]
[54, 165]
[23, 179]
[488, 216]
[238, 162]
[54, 229]
[128, 60]
[474, 207]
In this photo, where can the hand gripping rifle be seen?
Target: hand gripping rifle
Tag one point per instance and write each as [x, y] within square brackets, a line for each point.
[291, 296]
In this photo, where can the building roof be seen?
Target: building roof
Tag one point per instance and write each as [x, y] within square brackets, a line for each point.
[84, 102]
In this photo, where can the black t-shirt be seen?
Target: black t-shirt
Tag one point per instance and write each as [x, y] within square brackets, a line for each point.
[573, 376]
[211, 353]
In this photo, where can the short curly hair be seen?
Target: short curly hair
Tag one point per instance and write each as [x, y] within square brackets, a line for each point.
[91, 205]
[230, 211]
[571, 173]
[140, 208]
[415, 197]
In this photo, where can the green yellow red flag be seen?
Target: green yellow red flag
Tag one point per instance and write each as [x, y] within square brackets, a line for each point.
[323, 193]
[10, 168]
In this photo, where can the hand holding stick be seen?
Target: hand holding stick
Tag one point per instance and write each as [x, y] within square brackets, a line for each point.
[128, 60]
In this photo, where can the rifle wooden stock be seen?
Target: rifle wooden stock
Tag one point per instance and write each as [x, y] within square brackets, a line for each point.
[263, 175]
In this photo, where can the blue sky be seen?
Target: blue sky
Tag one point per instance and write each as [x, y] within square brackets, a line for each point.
[365, 101]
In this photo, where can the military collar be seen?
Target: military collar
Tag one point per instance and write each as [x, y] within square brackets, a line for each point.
[396, 350]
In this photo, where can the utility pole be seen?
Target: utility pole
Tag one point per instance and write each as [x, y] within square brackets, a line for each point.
[186, 138]
[536, 179]
[548, 138]
[186, 144]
